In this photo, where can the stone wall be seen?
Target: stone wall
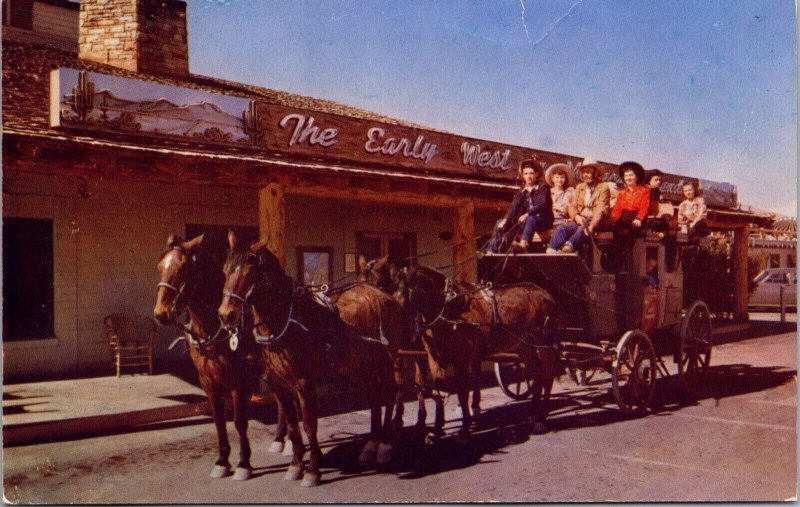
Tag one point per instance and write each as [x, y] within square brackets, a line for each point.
[143, 36]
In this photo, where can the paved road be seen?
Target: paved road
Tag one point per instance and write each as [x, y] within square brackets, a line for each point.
[734, 441]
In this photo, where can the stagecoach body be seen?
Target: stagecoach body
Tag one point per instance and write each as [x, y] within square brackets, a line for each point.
[606, 313]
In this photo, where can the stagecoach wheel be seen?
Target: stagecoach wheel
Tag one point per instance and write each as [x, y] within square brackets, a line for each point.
[633, 373]
[696, 342]
[514, 379]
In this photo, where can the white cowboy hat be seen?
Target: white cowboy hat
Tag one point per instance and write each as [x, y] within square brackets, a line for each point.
[599, 170]
[563, 168]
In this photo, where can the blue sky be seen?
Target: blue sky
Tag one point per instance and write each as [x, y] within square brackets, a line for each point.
[695, 87]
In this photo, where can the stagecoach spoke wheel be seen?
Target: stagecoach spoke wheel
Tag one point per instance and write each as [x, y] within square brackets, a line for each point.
[633, 372]
[696, 342]
[515, 379]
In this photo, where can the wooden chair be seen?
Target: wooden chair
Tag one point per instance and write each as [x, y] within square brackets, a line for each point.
[131, 338]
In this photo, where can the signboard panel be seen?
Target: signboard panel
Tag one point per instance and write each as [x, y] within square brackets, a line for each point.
[91, 101]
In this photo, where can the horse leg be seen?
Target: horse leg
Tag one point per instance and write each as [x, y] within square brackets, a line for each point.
[537, 394]
[222, 468]
[369, 453]
[419, 379]
[546, 375]
[385, 446]
[240, 418]
[277, 445]
[308, 407]
[400, 382]
[462, 379]
[476, 392]
[295, 470]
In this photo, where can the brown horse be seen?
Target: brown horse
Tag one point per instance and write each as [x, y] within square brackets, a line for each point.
[190, 281]
[305, 337]
[461, 323]
[384, 275]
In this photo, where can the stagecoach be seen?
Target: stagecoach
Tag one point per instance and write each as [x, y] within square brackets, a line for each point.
[613, 320]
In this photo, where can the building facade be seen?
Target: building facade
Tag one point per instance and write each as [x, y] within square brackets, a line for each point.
[110, 144]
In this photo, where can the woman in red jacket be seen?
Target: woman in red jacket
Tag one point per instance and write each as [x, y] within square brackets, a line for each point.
[632, 201]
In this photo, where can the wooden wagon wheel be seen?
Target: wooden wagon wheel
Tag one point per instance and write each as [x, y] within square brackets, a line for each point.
[633, 373]
[514, 379]
[696, 342]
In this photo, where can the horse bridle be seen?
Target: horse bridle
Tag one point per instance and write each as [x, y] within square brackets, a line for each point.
[192, 338]
[270, 339]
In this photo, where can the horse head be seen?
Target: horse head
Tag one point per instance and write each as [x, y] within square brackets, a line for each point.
[254, 278]
[177, 268]
[426, 290]
[380, 273]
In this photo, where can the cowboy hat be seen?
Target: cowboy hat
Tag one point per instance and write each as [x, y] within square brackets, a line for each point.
[637, 169]
[590, 162]
[556, 168]
[529, 162]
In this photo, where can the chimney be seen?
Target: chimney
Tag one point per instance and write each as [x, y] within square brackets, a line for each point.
[146, 36]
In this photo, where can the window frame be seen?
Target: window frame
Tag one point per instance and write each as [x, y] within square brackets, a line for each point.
[301, 250]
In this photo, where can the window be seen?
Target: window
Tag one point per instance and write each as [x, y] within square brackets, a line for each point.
[774, 261]
[791, 260]
[400, 247]
[18, 13]
[216, 238]
[314, 265]
[28, 293]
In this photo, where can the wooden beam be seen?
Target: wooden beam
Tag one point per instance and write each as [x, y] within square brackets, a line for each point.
[272, 219]
[740, 278]
[464, 263]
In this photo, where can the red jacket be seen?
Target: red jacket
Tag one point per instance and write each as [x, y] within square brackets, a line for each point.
[637, 200]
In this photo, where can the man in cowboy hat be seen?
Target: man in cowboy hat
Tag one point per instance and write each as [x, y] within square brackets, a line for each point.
[531, 209]
[589, 206]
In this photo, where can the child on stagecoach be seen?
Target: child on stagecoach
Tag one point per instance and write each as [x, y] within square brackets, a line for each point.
[589, 206]
[531, 209]
[692, 211]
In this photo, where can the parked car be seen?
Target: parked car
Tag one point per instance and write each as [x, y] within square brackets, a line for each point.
[768, 291]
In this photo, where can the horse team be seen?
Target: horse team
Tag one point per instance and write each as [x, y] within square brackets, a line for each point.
[291, 335]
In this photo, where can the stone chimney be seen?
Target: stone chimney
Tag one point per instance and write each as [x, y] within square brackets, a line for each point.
[147, 36]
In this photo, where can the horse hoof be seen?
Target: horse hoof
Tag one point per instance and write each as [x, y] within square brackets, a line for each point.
[276, 447]
[288, 449]
[242, 474]
[310, 480]
[220, 471]
[384, 453]
[539, 428]
[293, 473]
[369, 452]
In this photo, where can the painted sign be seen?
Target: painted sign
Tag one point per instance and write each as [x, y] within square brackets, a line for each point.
[316, 134]
[92, 101]
[89, 100]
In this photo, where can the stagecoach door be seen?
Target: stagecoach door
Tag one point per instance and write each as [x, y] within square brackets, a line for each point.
[400, 247]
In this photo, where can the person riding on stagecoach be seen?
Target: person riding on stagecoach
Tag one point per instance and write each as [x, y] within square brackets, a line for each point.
[588, 208]
[531, 209]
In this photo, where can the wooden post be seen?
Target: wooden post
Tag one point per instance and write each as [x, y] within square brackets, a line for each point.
[272, 219]
[464, 264]
[740, 296]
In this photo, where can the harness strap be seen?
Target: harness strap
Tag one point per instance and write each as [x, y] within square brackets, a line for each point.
[272, 339]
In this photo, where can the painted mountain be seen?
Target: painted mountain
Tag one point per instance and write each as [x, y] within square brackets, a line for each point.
[203, 121]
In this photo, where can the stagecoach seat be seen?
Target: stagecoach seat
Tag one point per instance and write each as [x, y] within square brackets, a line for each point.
[131, 338]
